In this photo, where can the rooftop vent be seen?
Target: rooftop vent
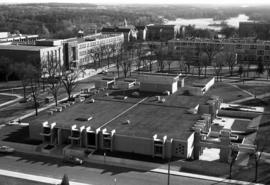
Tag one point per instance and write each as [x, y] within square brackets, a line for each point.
[84, 119]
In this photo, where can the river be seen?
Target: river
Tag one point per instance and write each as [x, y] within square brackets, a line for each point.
[210, 23]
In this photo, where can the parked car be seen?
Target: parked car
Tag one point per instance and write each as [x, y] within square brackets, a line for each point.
[6, 149]
[73, 160]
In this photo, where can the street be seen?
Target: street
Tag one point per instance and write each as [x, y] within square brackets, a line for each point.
[95, 174]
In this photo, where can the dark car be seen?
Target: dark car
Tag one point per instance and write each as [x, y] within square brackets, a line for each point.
[73, 160]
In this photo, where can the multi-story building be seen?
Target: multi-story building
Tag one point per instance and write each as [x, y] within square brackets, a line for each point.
[37, 55]
[161, 32]
[7, 38]
[129, 32]
[80, 51]
[246, 50]
[258, 30]
[141, 32]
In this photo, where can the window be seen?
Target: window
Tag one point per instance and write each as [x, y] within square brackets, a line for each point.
[238, 46]
[267, 47]
[91, 138]
[267, 57]
[107, 143]
[252, 47]
[158, 150]
[260, 52]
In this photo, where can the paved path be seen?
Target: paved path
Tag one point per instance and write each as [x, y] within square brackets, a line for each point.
[36, 178]
[11, 101]
[250, 98]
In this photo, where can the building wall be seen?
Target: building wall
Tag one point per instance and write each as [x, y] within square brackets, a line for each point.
[133, 144]
[35, 130]
[160, 33]
[87, 48]
[179, 148]
[159, 88]
[245, 50]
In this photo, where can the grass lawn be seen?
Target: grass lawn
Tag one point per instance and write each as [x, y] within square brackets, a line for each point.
[257, 89]
[5, 98]
[5, 180]
[226, 92]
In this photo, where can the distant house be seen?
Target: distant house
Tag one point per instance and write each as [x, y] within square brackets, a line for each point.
[141, 32]
[129, 32]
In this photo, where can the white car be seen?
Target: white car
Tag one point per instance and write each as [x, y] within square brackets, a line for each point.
[6, 149]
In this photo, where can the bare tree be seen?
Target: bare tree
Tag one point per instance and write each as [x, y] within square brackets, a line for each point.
[211, 50]
[54, 72]
[125, 65]
[218, 65]
[6, 67]
[188, 57]
[70, 80]
[22, 70]
[33, 75]
[267, 68]
[230, 58]
[199, 63]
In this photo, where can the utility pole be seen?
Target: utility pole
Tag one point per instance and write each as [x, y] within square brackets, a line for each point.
[169, 168]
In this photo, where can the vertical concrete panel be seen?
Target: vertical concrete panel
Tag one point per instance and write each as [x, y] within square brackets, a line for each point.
[133, 144]
[35, 130]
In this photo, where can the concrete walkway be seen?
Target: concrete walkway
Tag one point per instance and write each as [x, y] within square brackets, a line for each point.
[36, 178]
[11, 101]
[197, 176]
[250, 98]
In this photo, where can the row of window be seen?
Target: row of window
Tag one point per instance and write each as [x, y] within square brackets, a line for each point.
[237, 46]
[98, 42]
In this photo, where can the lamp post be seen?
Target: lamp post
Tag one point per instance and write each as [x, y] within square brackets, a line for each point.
[169, 169]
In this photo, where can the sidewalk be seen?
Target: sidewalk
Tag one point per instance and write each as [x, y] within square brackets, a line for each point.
[47, 180]
[11, 101]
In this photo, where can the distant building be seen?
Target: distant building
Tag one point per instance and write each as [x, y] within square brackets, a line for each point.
[141, 32]
[246, 50]
[38, 55]
[7, 38]
[129, 32]
[258, 30]
[161, 32]
[79, 51]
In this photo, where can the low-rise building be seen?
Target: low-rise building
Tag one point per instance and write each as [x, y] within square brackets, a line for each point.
[246, 50]
[161, 32]
[129, 32]
[8, 38]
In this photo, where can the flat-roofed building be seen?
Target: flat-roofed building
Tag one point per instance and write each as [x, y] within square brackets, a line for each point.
[158, 82]
[141, 32]
[246, 50]
[129, 32]
[82, 51]
[258, 30]
[38, 55]
[8, 38]
[161, 32]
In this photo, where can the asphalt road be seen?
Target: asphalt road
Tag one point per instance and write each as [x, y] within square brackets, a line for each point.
[94, 174]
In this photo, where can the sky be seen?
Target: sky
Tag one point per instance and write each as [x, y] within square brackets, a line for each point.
[215, 2]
